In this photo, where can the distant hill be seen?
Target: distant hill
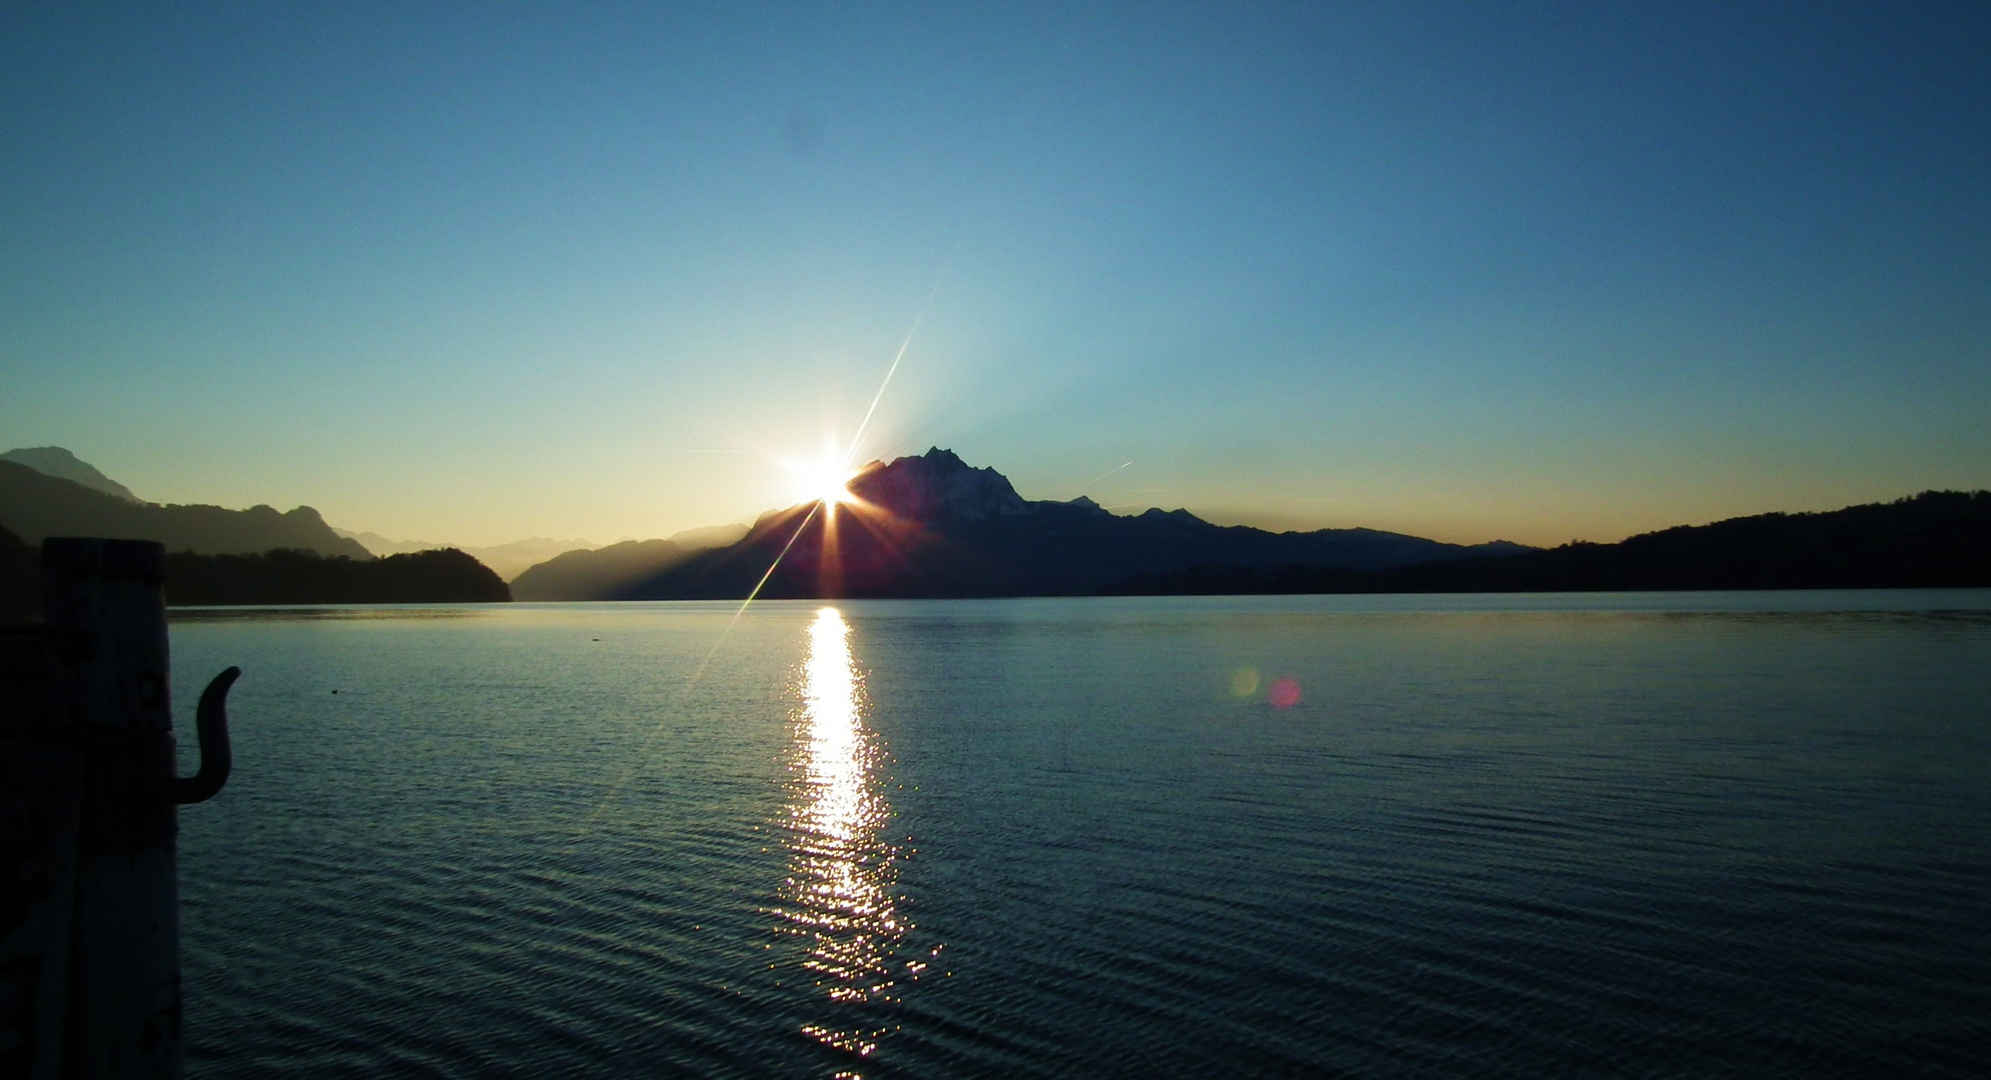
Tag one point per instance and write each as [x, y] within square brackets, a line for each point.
[607, 573]
[276, 577]
[507, 560]
[35, 505]
[710, 536]
[601, 574]
[381, 545]
[1938, 539]
[57, 462]
[935, 526]
[303, 577]
[511, 560]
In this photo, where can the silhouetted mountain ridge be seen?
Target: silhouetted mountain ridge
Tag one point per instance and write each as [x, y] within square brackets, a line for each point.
[60, 463]
[598, 574]
[34, 505]
[1938, 539]
[603, 573]
[935, 526]
[506, 560]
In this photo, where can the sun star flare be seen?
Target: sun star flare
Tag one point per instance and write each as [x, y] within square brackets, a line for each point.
[825, 480]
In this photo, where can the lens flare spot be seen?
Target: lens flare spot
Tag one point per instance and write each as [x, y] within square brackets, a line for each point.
[1244, 682]
[1285, 693]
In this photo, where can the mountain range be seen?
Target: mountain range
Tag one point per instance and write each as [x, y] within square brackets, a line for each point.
[51, 504]
[1938, 539]
[566, 559]
[934, 526]
[608, 572]
[34, 505]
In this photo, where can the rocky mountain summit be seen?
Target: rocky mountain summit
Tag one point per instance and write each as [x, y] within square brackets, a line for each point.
[938, 487]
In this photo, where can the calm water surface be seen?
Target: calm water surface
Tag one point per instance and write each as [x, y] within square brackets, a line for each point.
[1630, 835]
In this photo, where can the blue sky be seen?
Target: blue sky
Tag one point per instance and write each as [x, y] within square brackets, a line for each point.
[477, 272]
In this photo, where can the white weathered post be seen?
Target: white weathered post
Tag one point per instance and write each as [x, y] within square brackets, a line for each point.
[109, 689]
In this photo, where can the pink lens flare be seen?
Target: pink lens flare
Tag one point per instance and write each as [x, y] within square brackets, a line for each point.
[1285, 693]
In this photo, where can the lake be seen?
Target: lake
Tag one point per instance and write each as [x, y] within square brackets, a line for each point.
[1737, 834]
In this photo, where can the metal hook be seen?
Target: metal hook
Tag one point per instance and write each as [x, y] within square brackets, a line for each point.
[211, 722]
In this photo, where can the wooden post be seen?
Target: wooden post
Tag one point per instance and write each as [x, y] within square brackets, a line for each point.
[41, 775]
[109, 691]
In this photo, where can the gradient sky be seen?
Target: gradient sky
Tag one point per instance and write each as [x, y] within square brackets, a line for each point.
[477, 272]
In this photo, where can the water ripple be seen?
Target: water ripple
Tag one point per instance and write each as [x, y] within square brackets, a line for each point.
[1484, 844]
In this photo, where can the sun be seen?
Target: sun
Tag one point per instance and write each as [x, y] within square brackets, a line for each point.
[823, 480]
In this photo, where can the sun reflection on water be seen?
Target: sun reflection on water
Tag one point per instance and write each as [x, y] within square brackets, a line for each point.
[839, 895]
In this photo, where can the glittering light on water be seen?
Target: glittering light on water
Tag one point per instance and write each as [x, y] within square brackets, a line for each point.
[840, 891]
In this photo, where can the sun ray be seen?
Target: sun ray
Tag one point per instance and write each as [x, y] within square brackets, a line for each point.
[638, 760]
[851, 454]
[827, 487]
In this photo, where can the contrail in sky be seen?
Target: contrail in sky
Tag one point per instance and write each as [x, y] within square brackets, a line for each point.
[1107, 473]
